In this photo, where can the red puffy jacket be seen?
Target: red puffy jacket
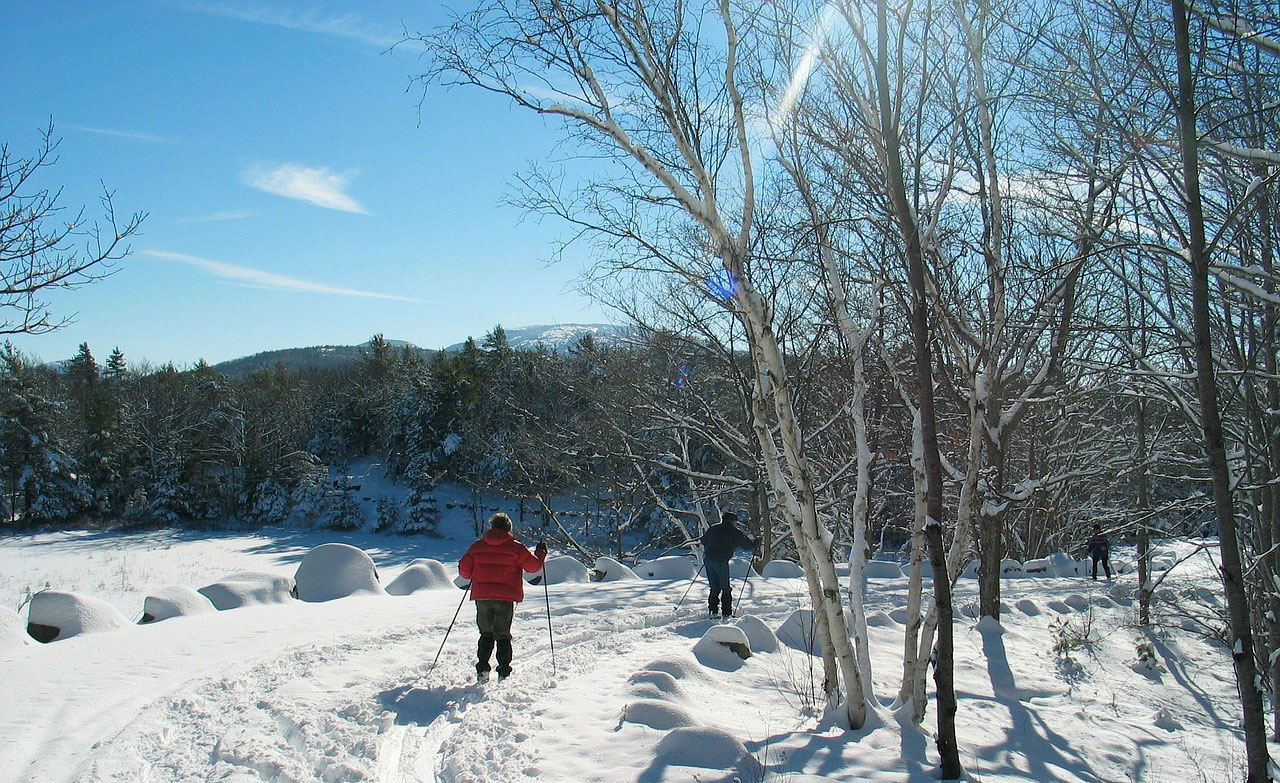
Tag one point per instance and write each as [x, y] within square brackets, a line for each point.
[493, 564]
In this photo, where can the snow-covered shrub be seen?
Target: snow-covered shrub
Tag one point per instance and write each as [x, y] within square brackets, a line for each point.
[883, 569]
[1039, 566]
[175, 601]
[723, 647]
[388, 516]
[671, 567]
[12, 634]
[739, 567]
[559, 570]
[1063, 564]
[419, 575]
[424, 514]
[1148, 661]
[248, 588]
[332, 571]
[707, 748]
[759, 636]
[799, 631]
[58, 615]
[657, 714]
[782, 569]
[610, 570]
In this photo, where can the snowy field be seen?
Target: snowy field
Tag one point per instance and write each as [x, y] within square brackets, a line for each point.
[341, 690]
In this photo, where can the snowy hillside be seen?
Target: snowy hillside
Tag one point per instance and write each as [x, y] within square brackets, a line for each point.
[343, 690]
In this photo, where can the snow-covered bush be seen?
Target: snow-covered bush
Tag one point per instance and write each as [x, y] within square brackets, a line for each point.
[419, 575]
[175, 601]
[559, 570]
[57, 615]
[759, 636]
[740, 566]
[1063, 564]
[332, 571]
[388, 516]
[707, 748]
[799, 631]
[782, 569]
[12, 634]
[248, 588]
[723, 647]
[1039, 566]
[671, 567]
[610, 570]
[424, 513]
[883, 569]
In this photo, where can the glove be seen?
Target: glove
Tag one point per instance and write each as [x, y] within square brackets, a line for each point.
[541, 551]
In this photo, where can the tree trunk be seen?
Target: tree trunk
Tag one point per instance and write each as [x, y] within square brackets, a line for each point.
[1255, 731]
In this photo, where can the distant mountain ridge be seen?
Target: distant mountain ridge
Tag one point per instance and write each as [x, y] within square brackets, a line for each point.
[558, 338]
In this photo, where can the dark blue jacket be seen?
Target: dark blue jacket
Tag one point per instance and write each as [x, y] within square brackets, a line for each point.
[722, 538]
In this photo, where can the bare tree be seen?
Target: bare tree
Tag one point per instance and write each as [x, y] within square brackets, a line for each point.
[40, 251]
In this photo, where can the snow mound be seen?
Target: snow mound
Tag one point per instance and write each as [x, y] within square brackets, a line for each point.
[799, 632]
[759, 635]
[970, 571]
[782, 569]
[1040, 566]
[723, 654]
[697, 746]
[64, 615]
[1058, 607]
[883, 569]
[1077, 602]
[1063, 564]
[332, 571]
[682, 667]
[739, 566]
[989, 624]
[611, 570]
[559, 570]
[1012, 568]
[248, 588]
[880, 620]
[899, 615]
[12, 634]
[1028, 607]
[1164, 720]
[421, 574]
[175, 601]
[657, 714]
[673, 567]
[655, 684]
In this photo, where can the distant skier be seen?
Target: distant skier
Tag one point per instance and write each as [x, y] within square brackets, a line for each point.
[718, 545]
[493, 565]
[1099, 549]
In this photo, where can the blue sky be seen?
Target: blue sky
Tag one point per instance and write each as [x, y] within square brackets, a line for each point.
[296, 195]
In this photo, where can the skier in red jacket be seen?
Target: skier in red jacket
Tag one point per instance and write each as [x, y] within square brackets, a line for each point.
[493, 565]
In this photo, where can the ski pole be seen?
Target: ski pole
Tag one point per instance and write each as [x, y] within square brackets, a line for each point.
[742, 591]
[450, 628]
[546, 593]
[691, 584]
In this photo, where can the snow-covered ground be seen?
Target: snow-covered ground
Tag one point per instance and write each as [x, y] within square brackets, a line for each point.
[344, 691]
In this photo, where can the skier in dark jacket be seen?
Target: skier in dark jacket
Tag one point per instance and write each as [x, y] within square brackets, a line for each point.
[493, 565]
[1099, 549]
[718, 545]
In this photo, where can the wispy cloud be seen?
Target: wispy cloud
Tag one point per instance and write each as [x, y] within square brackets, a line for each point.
[351, 26]
[220, 217]
[317, 186]
[259, 278]
[119, 134]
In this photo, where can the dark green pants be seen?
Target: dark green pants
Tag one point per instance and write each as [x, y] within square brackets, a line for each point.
[493, 618]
